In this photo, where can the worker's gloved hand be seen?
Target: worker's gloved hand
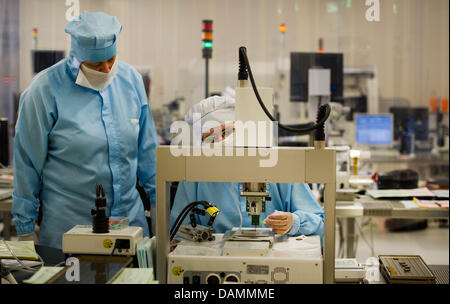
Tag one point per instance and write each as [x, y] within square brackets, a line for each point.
[33, 236]
[280, 222]
[173, 244]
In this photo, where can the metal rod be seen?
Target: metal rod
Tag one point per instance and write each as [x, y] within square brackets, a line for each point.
[206, 78]
[329, 233]
[162, 230]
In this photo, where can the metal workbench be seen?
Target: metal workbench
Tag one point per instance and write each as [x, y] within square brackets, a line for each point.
[365, 206]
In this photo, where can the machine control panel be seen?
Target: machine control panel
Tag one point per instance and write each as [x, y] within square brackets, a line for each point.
[405, 269]
[211, 277]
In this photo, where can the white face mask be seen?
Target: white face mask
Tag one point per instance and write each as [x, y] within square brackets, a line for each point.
[95, 80]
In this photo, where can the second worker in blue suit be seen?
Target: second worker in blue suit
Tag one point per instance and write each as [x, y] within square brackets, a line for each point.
[293, 209]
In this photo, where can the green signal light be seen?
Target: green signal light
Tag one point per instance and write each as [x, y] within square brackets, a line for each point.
[207, 45]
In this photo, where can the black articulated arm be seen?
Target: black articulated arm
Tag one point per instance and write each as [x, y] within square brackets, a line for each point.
[244, 65]
[208, 208]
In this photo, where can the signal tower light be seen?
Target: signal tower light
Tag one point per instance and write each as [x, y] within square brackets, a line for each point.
[207, 38]
[35, 33]
[320, 46]
[35, 38]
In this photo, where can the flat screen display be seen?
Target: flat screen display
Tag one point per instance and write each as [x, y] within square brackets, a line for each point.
[374, 129]
[45, 59]
[300, 65]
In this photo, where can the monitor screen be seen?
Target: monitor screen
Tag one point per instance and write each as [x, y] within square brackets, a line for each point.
[45, 59]
[411, 120]
[300, 65]
[374, 129]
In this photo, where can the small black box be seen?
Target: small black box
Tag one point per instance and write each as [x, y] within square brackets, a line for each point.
[398, 179]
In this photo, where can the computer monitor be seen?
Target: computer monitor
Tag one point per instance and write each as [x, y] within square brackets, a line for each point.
[4, 141]
[414, 120]
[420, 123]
[402, 119]
[374, 130]
[45, 59]
[300, 65]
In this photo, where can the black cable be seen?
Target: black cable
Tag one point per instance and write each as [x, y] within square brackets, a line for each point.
[182, 214]
[320, 131]
[176, 227]
[193, 220]
[211, 221]
[180, 222]
[327, 110]
[175, 224]
[242, 74]
[199, 211]
[147, 205]
[185, 210]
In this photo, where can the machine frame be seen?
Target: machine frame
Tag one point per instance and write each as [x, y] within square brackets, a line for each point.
[294, 165]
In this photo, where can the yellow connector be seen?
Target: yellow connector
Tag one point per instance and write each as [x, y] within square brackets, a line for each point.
[213, 211]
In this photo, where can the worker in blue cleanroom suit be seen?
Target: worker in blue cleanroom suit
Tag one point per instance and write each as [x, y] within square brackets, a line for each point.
[293, 210]
[299, 213]
[82, 122]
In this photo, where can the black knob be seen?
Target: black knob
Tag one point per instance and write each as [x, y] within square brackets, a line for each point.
[232, 278]
[213, 279]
